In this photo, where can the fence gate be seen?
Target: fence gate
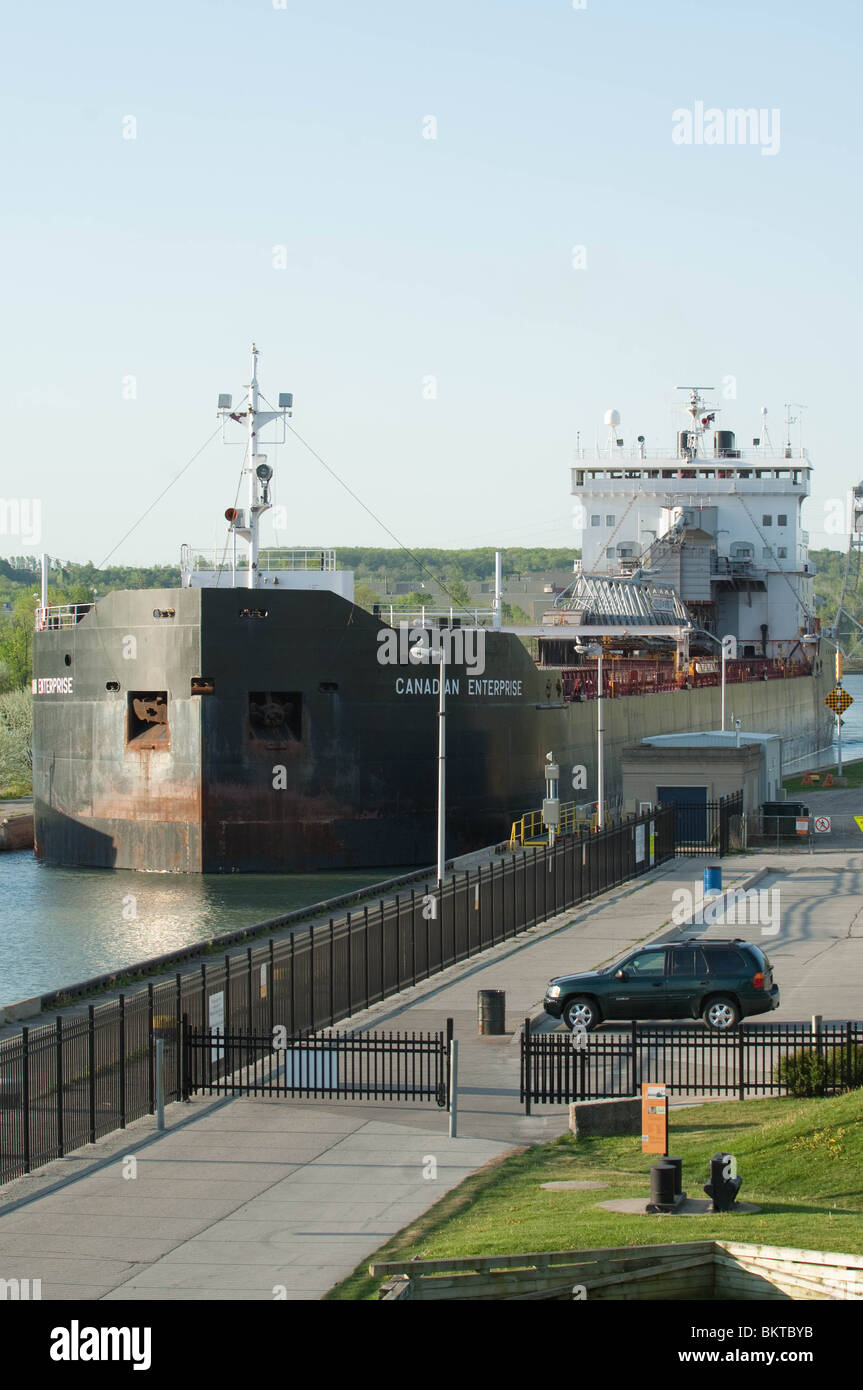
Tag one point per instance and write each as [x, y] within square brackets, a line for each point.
[324, 1066]
[706, 827]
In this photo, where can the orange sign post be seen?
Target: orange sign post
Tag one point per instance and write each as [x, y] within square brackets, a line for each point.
[654, 1118]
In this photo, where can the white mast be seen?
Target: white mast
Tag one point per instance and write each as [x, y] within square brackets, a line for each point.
[255, 505]
[697, 404]
[247, 524]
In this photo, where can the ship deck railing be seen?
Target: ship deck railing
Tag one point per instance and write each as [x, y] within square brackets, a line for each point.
[61, 615]
[723, 458]
[430, 617]
[219, 560]
[622, 677]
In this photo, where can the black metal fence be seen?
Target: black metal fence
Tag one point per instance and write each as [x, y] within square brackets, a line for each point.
[709, 827]
[330, 1065]
[69, 1083]
[557, 1068]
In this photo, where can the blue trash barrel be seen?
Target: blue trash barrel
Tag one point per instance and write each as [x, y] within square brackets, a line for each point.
[713, 879]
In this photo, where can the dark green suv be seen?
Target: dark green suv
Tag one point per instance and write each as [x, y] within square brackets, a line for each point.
[719, 981]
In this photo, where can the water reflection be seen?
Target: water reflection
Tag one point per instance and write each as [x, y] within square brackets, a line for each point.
[62, 925]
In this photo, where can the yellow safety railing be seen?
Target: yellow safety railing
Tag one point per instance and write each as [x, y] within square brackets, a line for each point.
[529, 830]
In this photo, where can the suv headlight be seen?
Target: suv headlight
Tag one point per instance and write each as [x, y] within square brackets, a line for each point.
[552, 992]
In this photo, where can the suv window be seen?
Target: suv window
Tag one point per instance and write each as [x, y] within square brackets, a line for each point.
[724, 960]
[646, 963]
[688, 961]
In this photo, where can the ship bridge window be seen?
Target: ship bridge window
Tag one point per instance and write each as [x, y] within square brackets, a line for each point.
[163, 613]
[202, 685]
[147, 720]
[275, 717]
[253, 612]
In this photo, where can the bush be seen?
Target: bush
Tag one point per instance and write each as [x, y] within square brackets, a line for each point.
[847, 1071]
[808, 1073]
[16, 740]
[804, 1073]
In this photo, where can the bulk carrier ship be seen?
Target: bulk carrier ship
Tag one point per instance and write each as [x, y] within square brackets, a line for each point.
[257, 720]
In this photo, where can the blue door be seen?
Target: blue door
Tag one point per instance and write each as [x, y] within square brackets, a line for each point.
[690, 820]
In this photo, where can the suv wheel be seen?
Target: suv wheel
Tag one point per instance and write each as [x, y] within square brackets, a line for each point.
[721, 1013]
[580, 1011]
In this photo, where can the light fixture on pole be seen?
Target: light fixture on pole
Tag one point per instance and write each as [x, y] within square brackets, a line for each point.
[595, 649]
[728, 647]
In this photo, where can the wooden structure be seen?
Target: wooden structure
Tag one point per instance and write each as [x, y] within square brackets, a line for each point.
[701, 1270]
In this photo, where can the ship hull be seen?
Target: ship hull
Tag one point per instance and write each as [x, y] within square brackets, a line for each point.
[213, 730]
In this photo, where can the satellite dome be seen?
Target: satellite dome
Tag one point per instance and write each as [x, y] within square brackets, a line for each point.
[612, 417]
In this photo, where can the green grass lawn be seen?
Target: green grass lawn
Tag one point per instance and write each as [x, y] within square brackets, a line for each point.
[852, 771]
[801, 1161]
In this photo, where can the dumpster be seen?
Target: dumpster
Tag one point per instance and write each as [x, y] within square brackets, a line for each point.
[780, 818]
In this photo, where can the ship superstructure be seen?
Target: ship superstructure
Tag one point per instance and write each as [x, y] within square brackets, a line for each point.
[720, 524]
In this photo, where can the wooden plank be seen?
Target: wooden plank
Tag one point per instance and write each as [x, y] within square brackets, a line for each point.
[791, 1285]
[486, 1285]
[853, 1276]
[808, 1257]
[827, 1275]
[534, 1258]
[653, 1272]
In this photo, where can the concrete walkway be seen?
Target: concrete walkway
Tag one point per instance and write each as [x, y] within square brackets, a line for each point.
[243, 1197]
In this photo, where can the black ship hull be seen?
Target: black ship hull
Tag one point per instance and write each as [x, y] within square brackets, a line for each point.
[227, 730]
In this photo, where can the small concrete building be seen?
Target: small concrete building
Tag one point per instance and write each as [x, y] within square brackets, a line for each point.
[698, 768]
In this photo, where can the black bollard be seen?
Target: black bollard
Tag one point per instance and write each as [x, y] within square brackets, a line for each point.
[662, 1186]
[677, 1164]
[722, 1188]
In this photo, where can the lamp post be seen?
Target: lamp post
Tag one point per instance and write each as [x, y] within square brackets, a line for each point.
[728, 646]
[441, 769]
[596, 650]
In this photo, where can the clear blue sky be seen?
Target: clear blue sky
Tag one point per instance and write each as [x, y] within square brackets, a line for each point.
[407, 257]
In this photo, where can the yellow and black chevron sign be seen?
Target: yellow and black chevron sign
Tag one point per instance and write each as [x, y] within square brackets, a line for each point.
[838, 700]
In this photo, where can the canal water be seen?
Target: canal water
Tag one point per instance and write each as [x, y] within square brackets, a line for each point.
[852, 721]
[58, 926]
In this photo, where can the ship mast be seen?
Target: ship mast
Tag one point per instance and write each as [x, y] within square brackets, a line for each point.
[697, 405]
[259, 472]
[256, 505]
